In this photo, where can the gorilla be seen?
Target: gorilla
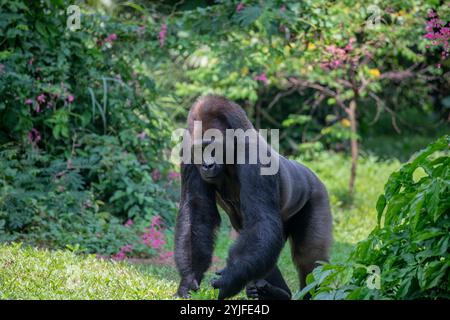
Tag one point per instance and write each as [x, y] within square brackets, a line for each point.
[265, 210]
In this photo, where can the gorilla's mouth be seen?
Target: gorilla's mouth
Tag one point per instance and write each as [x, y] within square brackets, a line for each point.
[211, 176]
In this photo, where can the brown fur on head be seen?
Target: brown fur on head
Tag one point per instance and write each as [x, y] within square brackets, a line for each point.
[219, 113]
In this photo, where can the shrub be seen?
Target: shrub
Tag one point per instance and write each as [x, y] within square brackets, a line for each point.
[80, 131]
[407, 254]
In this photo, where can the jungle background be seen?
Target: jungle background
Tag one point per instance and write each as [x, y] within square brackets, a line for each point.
[88, 191]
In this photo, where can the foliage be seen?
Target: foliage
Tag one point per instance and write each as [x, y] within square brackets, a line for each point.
[291, 65]
[45, 202]
[410, 243]
[80, 132]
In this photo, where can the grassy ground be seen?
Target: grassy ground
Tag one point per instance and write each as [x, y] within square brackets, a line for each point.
[28, 273]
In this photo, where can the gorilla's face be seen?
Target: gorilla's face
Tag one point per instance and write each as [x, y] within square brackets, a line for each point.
[211, 170]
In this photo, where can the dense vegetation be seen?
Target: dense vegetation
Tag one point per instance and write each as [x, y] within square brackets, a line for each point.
[86, 117]
[407, 255]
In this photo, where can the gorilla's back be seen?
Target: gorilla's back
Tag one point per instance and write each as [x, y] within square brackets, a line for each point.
[296, 183]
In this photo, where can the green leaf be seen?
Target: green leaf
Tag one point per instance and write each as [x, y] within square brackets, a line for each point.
[301, 294]
[381, 204]
[248, 15]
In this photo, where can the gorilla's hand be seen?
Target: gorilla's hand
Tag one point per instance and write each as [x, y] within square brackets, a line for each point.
[227, 284]
[187, 284]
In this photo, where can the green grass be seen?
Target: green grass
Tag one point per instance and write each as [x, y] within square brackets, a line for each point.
[353, 216]
[30, 273]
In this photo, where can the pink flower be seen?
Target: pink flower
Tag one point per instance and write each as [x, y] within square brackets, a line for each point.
[70, 98]
[173, 175]
[34, 136]
[240, 6]
[41, 98]
[129, 223]
[122, 254]
[127, 248]
[162, 35]
[166, 255]
[111, 37]
[141, 135]
[154, 237]
[438, 33]
[263, 78]
[119, 256]
[30, 62]
[156, 175]
[283, 8]
[156, 221]
[29, 101]
[349, 46]
[338, 57]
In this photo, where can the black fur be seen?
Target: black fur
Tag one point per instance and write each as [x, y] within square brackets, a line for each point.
[253, 204]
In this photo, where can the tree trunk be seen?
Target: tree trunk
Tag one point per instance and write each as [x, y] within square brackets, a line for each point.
[353, 143]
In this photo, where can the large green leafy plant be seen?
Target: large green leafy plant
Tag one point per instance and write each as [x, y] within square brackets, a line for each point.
[407, 255]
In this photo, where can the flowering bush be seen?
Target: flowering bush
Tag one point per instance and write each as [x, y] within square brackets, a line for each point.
[150, 243]
[86, 134]
[438, 31]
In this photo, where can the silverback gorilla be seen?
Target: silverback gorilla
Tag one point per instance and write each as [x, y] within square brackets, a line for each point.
[265, 210]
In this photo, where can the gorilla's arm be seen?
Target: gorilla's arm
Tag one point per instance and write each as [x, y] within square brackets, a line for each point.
[197, 221]
[260, 240]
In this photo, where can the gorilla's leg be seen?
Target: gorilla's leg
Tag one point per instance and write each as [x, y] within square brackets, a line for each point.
[272, 287]
[310, 233]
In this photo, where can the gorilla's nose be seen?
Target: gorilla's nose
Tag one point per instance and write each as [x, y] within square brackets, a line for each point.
[208, 166]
